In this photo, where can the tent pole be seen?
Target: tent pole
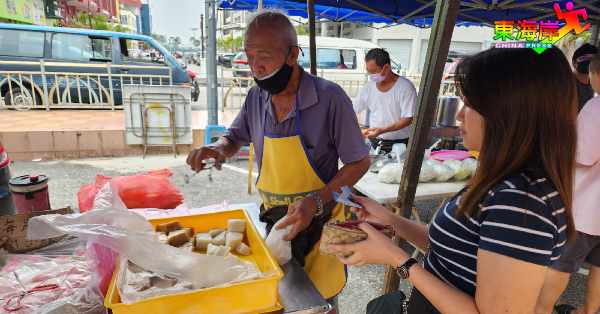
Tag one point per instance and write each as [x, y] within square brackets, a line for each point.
[446, 12]
[312, 33]
[595, 31]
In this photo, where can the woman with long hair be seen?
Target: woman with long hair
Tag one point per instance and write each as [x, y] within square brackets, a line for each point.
[489, 246]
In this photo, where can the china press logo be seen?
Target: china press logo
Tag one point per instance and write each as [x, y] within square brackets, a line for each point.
[540, 35]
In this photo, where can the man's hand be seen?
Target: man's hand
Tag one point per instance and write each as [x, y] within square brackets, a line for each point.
[197, 157]
[374, 132]
[299, 216]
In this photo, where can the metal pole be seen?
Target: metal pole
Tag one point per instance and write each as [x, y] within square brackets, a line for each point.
[312, 33]
[202, 32]
[259, 6]
[211, 62]
[595, 31]
[444, 20]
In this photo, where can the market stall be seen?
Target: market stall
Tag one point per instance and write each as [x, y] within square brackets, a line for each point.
[178, 260]
[136, 261]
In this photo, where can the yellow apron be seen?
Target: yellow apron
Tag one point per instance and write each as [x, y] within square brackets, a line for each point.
[287, 175]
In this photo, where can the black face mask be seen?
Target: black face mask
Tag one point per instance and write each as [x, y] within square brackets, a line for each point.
[277, 81]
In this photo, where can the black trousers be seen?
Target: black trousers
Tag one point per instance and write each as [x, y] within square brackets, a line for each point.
[386, 145]
[393, 303]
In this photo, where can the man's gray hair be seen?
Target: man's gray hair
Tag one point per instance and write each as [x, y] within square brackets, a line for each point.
[274, 20]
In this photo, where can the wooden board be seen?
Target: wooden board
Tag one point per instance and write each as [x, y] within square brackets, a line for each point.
[13, 232]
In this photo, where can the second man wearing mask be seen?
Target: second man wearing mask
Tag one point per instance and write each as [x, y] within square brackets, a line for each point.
[390, 100]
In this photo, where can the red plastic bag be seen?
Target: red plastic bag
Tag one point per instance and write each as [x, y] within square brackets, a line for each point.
[148, 190]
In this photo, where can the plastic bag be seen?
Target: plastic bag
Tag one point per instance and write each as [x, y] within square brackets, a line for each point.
[149, 190]
[108, 198]
[460, 172]
[454, 165]
[470, 165]
[443, 173]
[130, 235]
[280, 249]
[139, 284]
[390, 173]
[56, 285]
[105, 261]
[427, 171]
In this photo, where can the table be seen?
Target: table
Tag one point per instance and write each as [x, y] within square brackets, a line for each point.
[384, 193]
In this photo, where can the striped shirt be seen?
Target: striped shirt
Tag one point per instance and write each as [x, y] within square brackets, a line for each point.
[522, 217]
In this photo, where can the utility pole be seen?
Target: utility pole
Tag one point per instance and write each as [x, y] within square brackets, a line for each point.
[202, 32]
[211, 61]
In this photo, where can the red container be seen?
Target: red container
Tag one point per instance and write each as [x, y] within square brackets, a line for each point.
[30, 193]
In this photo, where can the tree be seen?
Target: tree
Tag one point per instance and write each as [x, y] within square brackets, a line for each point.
[195, 42]
[230, 43]
[225, 43]
[174, 42]
[162, 39]
[98, 22]
[302, 29]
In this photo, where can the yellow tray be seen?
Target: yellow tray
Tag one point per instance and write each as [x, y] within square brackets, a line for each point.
[255, 296]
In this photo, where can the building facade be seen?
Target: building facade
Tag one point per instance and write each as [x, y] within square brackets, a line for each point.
[146, 19]
[23, 11]
[232, 23]
[70, 9]
[129, 15]
[407, 44]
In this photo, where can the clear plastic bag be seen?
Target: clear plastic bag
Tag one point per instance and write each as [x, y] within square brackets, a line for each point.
[130, 235]
[391, 173]
[443, 173]
[49, 285]
[428, 171]
[280, 249]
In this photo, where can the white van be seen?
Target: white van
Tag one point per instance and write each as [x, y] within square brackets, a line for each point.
[337, 58]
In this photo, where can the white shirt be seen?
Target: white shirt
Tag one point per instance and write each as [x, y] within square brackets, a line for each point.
[389, 107]
[586, 193]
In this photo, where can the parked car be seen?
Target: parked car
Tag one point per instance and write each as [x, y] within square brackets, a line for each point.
[226, 59]
[240, 65]
[71, 67]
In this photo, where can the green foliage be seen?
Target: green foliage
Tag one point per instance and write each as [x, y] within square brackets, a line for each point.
[302, 29]
[97, 22]
[162, 39]
[230, 43]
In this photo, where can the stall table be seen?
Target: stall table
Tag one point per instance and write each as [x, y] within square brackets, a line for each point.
[384, 193]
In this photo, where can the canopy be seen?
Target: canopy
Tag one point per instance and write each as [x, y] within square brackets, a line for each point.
[420, 12]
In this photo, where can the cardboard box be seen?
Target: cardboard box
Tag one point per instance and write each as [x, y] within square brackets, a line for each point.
[13, 232]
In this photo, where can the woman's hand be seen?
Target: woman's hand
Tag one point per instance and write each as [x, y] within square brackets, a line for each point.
[372, 211]
[376, 249]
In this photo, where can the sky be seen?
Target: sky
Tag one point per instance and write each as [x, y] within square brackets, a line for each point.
[176, 17]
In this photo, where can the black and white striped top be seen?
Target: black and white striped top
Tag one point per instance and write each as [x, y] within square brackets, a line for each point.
[522, 217]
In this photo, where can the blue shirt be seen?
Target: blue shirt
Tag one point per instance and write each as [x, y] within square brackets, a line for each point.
[522, 217]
